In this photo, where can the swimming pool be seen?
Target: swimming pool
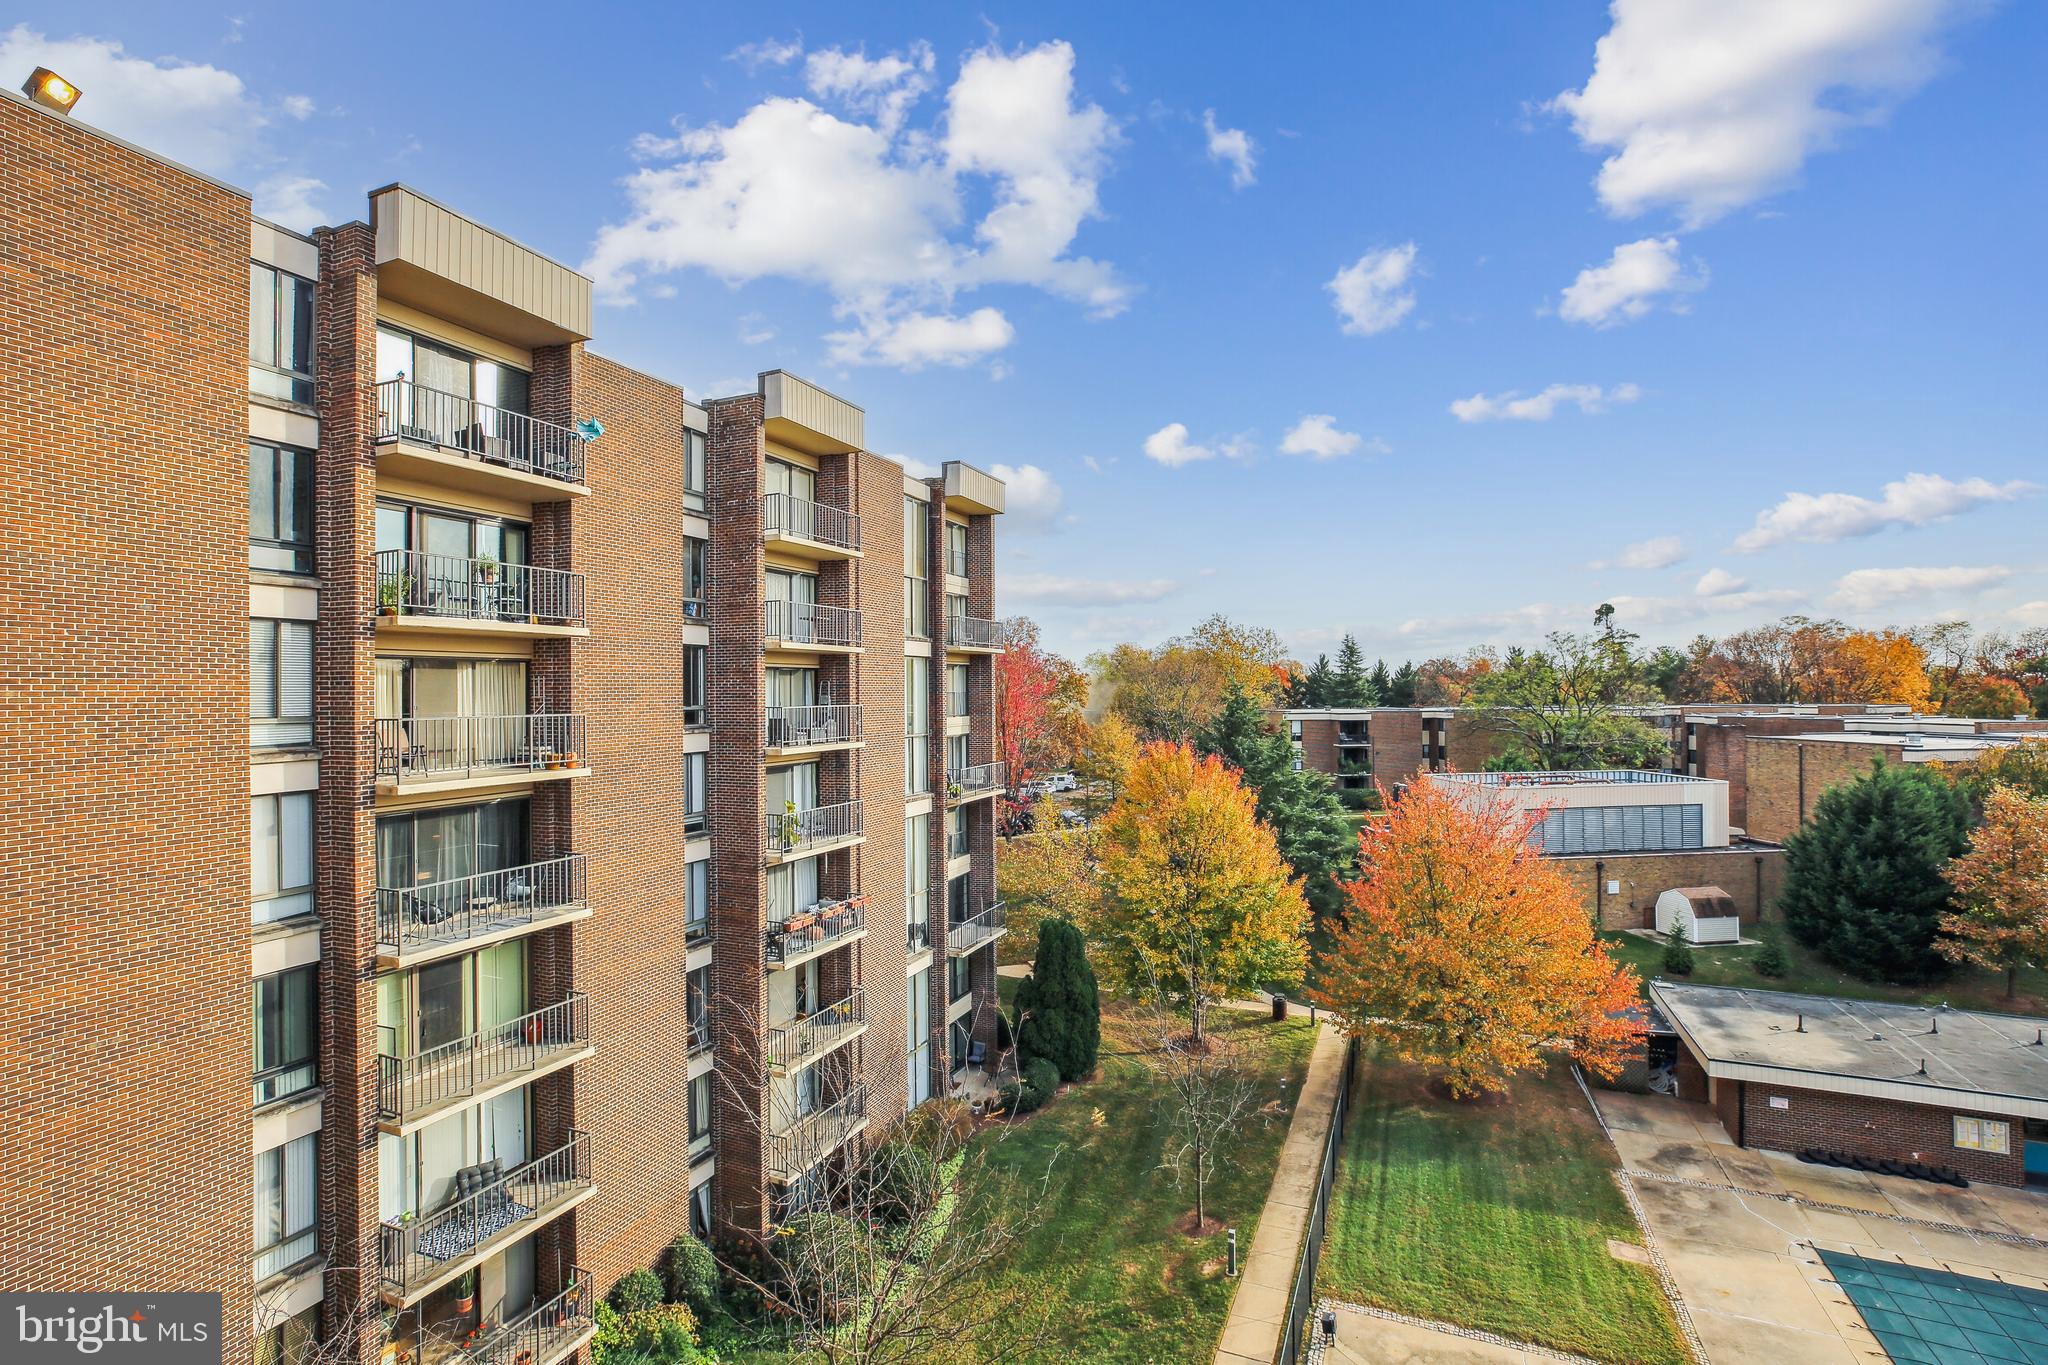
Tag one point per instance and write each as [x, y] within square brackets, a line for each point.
[1933, 1317]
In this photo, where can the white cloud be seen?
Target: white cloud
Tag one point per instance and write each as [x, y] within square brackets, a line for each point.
[1658, 552]
[1513, 406]
[1719, 583]
[1031, 499]
[1916, 500]
[755, 330]
[298, 106]
[883, 87]
[2029, 614]
[1865, 589]
[913, 340]
[1630, 284]
[1059, 590]
[876, 213]
[1094, 466]
[294, 201]
[1170, 446]
[1708, 105]
[1318, 437]
[916, 468]
[1233, 147]
[766, 52]
[1372, 293]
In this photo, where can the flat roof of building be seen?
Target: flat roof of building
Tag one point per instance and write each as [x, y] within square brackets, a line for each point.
[1576, 777]
[1915, 746]
[1962, 1059]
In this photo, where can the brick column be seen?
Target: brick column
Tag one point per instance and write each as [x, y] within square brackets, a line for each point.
[345, 498]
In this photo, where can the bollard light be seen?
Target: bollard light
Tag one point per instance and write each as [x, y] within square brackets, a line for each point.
[50, 90]
[1233, 1253]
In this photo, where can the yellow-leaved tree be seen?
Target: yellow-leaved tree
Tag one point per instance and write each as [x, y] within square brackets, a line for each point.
[1466, 952]
[2001, 889]
[1197, 903]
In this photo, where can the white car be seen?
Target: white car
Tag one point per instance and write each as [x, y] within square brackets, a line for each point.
[1059, 782]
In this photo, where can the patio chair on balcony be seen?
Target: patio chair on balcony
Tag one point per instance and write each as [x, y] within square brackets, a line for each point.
[494, 1211]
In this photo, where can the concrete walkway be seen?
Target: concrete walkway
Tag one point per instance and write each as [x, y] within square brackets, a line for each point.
[1258, 1315]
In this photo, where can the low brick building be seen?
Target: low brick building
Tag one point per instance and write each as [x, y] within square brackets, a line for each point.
[1785, 775]
[1954, 1088]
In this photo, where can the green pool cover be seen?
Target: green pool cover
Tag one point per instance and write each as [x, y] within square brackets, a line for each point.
[1932, 1317]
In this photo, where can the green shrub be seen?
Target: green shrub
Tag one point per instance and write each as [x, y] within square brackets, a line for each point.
[690, 1275]
[816, 1254]
[901, 1175]
[1029, 1092]
[1771, 959]
[1678, 953]
[941, 1127]
[1005, 1039]
[1059, 1012]
[1043, 1076]
[637, 1292]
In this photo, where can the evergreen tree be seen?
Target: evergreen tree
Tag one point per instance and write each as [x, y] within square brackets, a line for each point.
[1351, 685]
[1382, 682]
[1401, 692]
[1059, 1016]
[1301, 808]
[1317, 683]
[1864, 880]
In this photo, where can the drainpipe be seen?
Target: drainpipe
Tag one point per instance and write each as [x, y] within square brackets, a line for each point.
[1759, 888]
[1599, 891]
[1742, 1113]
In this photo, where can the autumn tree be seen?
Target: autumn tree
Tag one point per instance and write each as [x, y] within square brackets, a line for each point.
[1038, 702]
[1198, 905]
[1048, 873]
[1986, 697]
[2000, 889]
[1299, 806]
[1106, 756]
[1566, 705]
[1467, 953]
[1169, 692]
[2023, 765]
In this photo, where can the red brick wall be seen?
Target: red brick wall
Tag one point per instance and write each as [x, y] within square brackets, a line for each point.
[1319, 745]
[1723, 752]
[1752, 876]
[1787, 779]
[124, 749]
[1871, 1127]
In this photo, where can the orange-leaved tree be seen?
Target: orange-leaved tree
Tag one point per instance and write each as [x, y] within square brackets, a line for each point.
[2000, 889]
[1197, 904]
[1467, 953]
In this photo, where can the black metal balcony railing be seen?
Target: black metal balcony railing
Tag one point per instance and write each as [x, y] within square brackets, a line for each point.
[793, 727]
[973, 632]
[426, 748]
[782, 514]
[412, 918]
[809, 623]
[965, 936]
[793, 831]
[498, 435]
[542, 1334]
[816, 929]
[448, 587]
[797, 1044]
[815, 1136]
[408, 1086]
[415, 1251]
[980, 777]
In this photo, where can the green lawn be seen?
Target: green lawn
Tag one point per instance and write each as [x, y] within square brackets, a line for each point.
[1116, 1281]
[1968, 988]
[1491, 1215]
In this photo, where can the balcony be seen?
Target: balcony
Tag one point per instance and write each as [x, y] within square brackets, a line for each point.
[976, 931]
[794, 1046]
[973, 635]
[456, 442]
[421, 1254]
[413, 1091]
[820, 929]
[417, 924]
[421, 591]
[973, 783]
[809, 528]
[810, 626]
[817, 1135]
[792, 833]
[546, 1334]
[422, 754]
[812, 729]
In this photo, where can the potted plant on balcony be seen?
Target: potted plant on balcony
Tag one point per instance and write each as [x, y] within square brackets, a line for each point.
[952, 791]
[465, 1292]
[792, 826]
[487, 567]
[391, 594]
[569, 759]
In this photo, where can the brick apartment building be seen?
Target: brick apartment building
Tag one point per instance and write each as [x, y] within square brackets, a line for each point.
[619, 773]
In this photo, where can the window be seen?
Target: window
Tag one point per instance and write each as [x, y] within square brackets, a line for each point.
[698, 1004]
[449, 370]
[697, 899]
[280, 508]
[700, 1114]
[959, 907]
[1983, 1135]
[695, 785]
[290, 1342]
[1619, 829]
[956, 607]
[280, 683]
[956, 549]
[287, 1041]
[956, 689]
[694, 662]
[693, 470]
[280, 856]
[917, 1015]
[280, 335]
[917, 904]
[956, 832]
[286, 1178]
[1294, 731]
[916, 551]
[696, 576]
[959, 979]
[441, 847]
[956, 757]
[917, 724]
[700, 1206]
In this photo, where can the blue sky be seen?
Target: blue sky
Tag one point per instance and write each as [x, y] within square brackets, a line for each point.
[1738, 303]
